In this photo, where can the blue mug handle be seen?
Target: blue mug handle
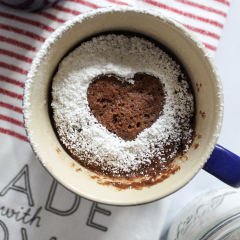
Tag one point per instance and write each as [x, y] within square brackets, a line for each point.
[224, 165]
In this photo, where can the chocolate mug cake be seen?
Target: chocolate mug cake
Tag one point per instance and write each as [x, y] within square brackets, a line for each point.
[159, 29]
[123, 108]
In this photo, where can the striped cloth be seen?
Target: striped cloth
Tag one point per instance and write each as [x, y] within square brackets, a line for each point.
[21, 36]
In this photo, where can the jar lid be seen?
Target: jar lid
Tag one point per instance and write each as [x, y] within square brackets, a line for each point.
[226, 229]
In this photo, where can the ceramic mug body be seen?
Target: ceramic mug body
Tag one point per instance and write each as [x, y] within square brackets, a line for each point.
[185, 46]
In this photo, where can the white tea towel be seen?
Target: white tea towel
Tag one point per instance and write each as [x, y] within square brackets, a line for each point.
[32, 204]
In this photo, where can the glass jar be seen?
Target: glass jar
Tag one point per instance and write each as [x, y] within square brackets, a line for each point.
[214, 215]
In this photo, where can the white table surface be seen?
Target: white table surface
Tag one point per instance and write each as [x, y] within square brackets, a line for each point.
[227, 60]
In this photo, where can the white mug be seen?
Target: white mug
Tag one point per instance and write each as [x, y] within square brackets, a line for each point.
[187, 48]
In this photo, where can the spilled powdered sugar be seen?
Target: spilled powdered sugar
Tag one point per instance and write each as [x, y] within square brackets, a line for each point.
[123, 56]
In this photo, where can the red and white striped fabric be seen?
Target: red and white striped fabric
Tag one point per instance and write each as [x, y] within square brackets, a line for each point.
[21, 36]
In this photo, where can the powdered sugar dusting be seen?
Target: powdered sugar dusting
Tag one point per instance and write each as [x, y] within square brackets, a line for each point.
[122, 56]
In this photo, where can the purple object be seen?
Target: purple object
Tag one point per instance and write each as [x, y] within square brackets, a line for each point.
[224, 165]
[28, 5]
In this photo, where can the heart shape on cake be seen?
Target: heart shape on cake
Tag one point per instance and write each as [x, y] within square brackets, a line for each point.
[123, 107]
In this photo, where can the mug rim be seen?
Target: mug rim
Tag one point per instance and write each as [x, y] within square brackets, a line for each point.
[78, 19]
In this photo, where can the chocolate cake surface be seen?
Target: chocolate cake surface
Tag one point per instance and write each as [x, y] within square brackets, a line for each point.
[122, 107]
